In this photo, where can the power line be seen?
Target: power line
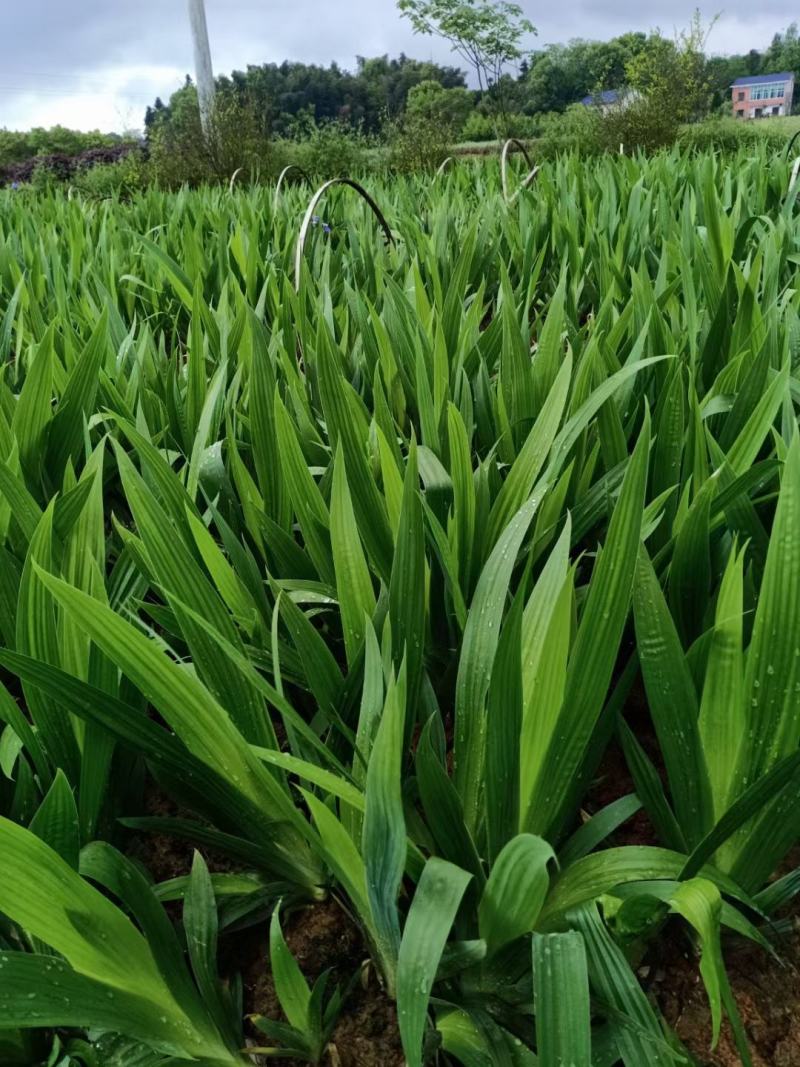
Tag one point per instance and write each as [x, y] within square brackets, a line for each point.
[57, 75]
[35, 90]
[98, 78]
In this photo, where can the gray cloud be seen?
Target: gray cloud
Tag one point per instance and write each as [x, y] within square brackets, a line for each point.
[93, 63]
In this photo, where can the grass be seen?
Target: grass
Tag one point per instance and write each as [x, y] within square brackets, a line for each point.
[364, 568]
[788, 124]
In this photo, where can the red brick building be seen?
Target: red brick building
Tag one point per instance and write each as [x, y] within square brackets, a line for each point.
[763, 96]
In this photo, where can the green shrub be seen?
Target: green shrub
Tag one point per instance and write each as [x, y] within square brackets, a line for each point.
[576, 129]
[670, 83]
[482, 127]
[447, 108]
[642, 123]
[418, 143]
[181, 154]
[43, 179]
[479, 127]
[674, 75]
[130, 175]
[326, 150]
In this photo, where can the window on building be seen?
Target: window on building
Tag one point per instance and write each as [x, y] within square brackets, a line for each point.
[740, 113]
[741, 95]
[769, 91]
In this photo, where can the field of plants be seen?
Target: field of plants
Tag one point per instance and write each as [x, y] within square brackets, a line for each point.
[400, 627]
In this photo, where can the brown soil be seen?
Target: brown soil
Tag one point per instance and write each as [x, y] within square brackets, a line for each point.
[613, 779]
[612, 782]
[165, 856]
[767, 994]
[322, 937]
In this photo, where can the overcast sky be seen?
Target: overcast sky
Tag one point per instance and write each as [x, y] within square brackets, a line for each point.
[98, 63]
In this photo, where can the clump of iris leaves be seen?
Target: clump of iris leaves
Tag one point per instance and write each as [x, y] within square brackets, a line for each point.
[365, 569]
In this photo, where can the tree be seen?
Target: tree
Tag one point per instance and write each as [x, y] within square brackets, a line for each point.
[154, 114]
[674, 74]
[181, 151]
[386, 83]
[561, 75]
[487, 34]
[447, 108]
[722, 71]
[784, 52]
[283, 94]
[671, 84]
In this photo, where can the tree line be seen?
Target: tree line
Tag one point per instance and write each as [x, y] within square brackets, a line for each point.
[287, 96]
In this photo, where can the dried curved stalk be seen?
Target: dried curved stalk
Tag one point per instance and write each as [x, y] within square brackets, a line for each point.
[526, 181]
[532, 171]
[312, 205]
[287, 170]
[791, 142]
[234, 176]
[443, 166]
[795, 172]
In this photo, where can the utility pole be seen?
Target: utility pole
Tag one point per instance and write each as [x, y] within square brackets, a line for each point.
[202, 63]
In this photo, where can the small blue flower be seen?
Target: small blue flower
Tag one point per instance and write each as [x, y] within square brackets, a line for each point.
[314, 220]
[326, 228]
[15, 185]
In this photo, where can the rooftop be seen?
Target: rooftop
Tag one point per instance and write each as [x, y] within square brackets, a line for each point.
[608, 96]
[764, 79]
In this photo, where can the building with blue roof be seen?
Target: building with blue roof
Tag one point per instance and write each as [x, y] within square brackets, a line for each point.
[609, 98]
[762, 96]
